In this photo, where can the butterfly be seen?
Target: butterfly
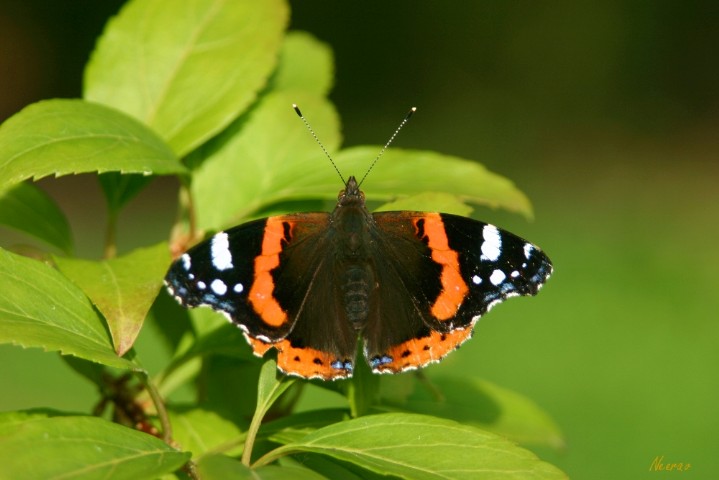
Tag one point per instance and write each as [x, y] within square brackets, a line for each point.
[409, 285]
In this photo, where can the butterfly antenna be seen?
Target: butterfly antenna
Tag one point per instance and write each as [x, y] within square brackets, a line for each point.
[309, 127]
[389, 142]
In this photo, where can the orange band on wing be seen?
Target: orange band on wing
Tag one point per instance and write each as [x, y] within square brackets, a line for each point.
[419, 352]
[261, 294]
[302, 362]
[259, 347]
[454, 287]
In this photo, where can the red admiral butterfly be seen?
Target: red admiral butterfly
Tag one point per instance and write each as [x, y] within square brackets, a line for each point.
[411, 285]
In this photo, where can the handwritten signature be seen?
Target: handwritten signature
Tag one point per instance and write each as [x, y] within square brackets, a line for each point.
[658, 465]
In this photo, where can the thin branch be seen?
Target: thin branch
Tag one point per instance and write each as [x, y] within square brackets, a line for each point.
[160, 407]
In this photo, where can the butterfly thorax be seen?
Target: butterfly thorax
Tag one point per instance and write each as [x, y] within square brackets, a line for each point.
[351, 223]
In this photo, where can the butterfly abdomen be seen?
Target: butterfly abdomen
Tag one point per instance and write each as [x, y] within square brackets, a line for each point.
[357, 288]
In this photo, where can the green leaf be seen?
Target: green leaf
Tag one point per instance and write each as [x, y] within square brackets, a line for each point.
[403, 172]
[421, 447]
[226, 340]
[205, 320]
[425, 175]
[94, 372]
[331, 468]
[186, 69]
[292, 428]
[262, 162]
[122, 288]
[220, 467]
[269, 388]
[30, 210]
[60, 137]
[35, 446]
[228, 386]
[362, 390]
[472, 401]
[305, 64]
[120, 189]
[428, 202]
[11, 420]
[202, 431]
[39, 307]
[257, 168]
[171, 321]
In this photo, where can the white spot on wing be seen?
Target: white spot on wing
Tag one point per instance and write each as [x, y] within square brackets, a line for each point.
[476, 280]
[186, 262]
[497, 277]
[492, 245]
[514, 274]
[218, 286]
[220, 251]
[201, 285]
[238, 288]
[528, 247]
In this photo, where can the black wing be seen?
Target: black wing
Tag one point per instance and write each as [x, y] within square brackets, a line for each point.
[273, 278]
[454, 269]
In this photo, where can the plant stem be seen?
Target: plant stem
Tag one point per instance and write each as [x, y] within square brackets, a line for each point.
[186, 202]
[189, 468]
[160, 407]
[269, 389]
[251, 435]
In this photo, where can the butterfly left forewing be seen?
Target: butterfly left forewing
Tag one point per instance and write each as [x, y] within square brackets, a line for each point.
[273, 279]
[219, 272]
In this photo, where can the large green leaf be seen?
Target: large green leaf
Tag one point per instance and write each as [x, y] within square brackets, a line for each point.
[428, 202]
[264, 160]
[220, 467]
[202, 431]
[292, 428]
[270, 386]
[425, 175]
[305, 64]
[421, 447]
[120, 189]
[332, 468]
[227, 340]
[186, 68]
[60, 137]
[472, 401]
[273, 159]
[28, 209]
[39, 307]
[403, 172]
[38, 446]
[122, 288]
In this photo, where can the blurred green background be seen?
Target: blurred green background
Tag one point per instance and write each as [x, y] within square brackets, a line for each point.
[605, 113]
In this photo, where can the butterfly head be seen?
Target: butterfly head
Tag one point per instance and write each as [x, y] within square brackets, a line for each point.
[351, 194]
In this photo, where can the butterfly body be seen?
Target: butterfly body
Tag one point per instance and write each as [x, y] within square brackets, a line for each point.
[409, 285]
